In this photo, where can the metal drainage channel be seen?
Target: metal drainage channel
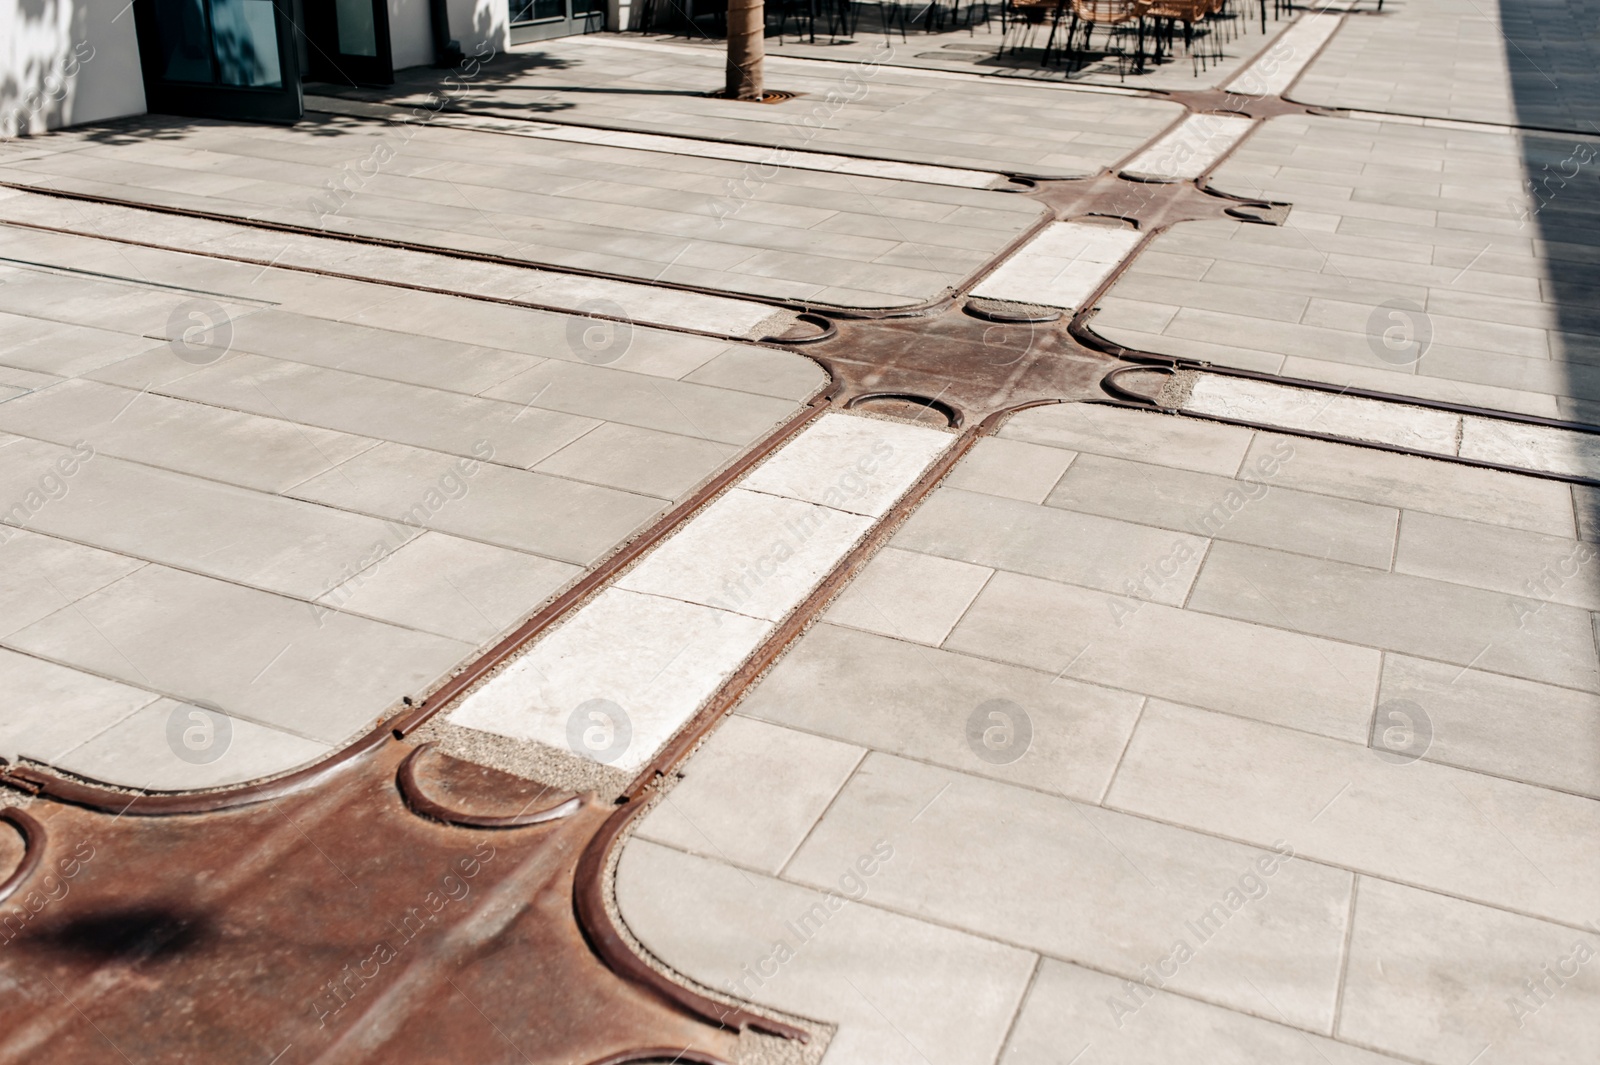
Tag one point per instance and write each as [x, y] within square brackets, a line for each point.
[451, 909]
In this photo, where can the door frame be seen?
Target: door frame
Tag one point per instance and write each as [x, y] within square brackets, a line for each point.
[324, 61]
[280, 103]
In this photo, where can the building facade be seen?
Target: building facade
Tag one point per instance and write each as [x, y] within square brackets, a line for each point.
[67, 62]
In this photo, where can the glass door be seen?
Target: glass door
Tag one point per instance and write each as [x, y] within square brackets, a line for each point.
[347, 42]
[220, 58]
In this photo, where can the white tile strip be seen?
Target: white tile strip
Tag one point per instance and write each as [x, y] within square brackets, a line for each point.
[1324, 412]
[1190, 149]
[1062, 266]
[643, 304]
[1277, 68]
[1536, 448]
[646, 653]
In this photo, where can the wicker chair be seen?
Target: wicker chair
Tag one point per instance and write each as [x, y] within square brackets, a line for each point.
[1119, 17]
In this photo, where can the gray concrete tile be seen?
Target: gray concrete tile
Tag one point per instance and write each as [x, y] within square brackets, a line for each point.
[139, 752]
[55, 707]
[1514, 728]
[1438, 980]
[1253, 509]
[448, 586]
[575, 522]
[1091, 886]
[269, 454]
[1064, 736]
[264, 657]
[1101, 430]
[41, 574]
[751, 794]
[236, 534]
[909, 596]
[649, 403]
[1398, 612]
[1311, 683]
[1002, 467]
[1423, 484]
[645, 461]
[1084, 549]
[766, 373]
[908, 988]
[1473, 836]
[1529, 567]
[1070, 1010]
[384, 410]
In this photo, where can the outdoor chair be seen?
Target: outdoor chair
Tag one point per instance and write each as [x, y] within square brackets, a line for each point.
[1188, 12]
[1120, 18]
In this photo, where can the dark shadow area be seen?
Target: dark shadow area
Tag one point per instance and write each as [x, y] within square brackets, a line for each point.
[136, 933]
[1553, 53]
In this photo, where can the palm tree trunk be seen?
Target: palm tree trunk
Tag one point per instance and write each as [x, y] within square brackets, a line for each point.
[747, 25]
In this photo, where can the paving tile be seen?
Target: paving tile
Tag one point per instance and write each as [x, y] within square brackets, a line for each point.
[646, 660]
[41, 574]
[1261, 672]
[139, 751]
[1063, 736]
[1530, 567]
[1474, 836]
[1100, 430]
[1513, 728]
[763, 372]
[751, 794]
[749, 552]
[55, 707]
[448, 586]
[909, 596]
[1069, 1010]
[1439, 979]
[664, 465]
[259, 539]
[650, 403]
[899, 989]
[383, 410]
[1010, 468]
[1116, 556]
[259, 656]
[243, 449]
[1254, 509]
[1089, 885]
[850, 463]
[1423, 484]
[1398, 612]
[482, 501]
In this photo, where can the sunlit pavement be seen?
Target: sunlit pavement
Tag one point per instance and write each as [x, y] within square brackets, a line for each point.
[1135, 738]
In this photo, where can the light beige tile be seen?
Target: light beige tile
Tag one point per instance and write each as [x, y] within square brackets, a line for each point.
[1082, 549]
[1003, 467]
[751, 793]
[1070, 1011]
[1185, 443]
[1475, 836]
[1510, 727]
[909, 596]
[1057, 735]
[857, 464]
[1082, 884]
[1398, 612]
[1440, 980]
[1255, 670]
[1530, 567]
[903, 992]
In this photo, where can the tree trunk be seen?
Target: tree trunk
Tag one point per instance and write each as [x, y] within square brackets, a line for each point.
[747, 26]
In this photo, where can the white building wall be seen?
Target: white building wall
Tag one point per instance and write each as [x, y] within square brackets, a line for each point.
[63, 62]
